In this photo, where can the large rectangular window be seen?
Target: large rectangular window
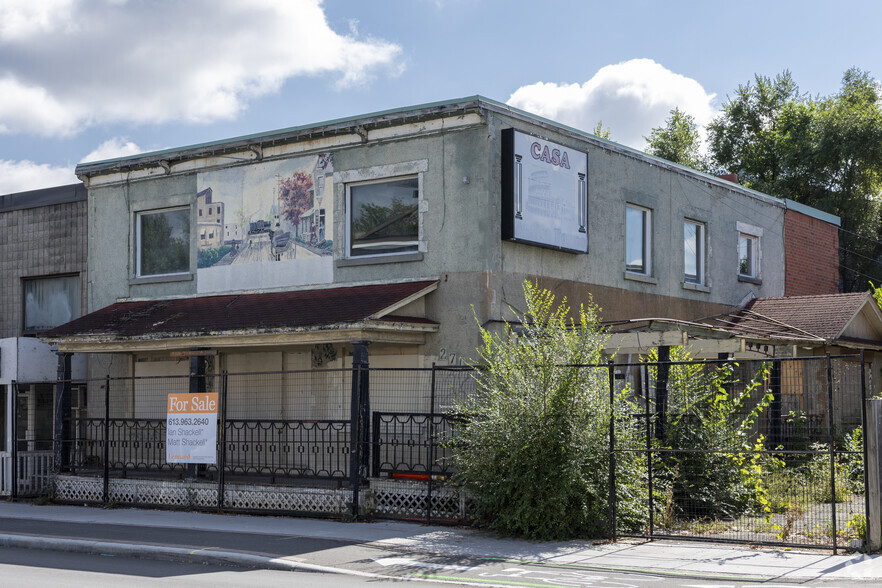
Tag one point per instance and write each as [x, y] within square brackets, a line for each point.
[49, 302]
[384, 217]
[638, 239]
[163, 239]
[693, 252]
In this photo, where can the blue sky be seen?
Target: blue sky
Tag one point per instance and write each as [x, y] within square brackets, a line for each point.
[104, 78]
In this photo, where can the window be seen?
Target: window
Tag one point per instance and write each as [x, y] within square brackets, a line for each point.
[49, 302]
[384, 217]
[638, 239]
[693, 252]
[748, 246]
[163, 239]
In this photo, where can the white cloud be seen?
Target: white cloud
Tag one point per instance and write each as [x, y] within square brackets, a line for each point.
[19, 176]
[147, 62]
[19, 19]
[631, 98]
[111, 149]
[31, 108]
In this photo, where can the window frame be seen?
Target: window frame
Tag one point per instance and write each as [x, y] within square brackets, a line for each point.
[139, 216]
[752, 236]
[645, 269]
[700, 277]
[75, 306]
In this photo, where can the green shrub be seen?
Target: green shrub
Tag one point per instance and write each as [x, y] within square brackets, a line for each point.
[534, 450]
[714, 466]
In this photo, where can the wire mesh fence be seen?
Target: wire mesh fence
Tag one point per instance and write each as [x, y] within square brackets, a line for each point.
[754, 451]
[757, 451]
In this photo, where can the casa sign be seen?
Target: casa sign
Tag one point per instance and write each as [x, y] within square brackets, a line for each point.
[544, 193]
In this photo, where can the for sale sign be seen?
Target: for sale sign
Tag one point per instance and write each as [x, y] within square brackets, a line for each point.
[191, 428]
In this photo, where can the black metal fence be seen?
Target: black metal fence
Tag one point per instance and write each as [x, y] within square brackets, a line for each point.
[763, 451]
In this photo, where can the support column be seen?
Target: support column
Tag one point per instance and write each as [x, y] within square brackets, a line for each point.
[62, 413]
[661, 391]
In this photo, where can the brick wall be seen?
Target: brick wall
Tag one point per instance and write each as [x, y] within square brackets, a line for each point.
[35, 242]
[811, 255]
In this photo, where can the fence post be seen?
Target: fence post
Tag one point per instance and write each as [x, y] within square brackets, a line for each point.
[871, 491]
[612, 448]
[358, 418]
[106, 487]
[872, 529]
[61, 418]
[645, 388]
[14, 452]
[775, 406]
[831, 440]
[222, 444]
[431, 447]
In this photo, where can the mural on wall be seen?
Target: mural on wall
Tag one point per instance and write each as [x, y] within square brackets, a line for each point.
[264, 225]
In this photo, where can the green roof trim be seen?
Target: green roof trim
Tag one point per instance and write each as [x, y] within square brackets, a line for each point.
[813, 212]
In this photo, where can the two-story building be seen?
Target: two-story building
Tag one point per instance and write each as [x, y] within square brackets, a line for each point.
[386, 239]
[470, 196]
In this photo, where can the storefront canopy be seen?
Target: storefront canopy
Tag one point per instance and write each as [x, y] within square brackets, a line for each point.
[322, 315]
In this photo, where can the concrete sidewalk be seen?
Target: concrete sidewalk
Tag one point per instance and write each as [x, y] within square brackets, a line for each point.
[309, 544]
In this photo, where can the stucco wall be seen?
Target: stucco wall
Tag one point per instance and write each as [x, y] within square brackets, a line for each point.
[112, 217]
[460, 235]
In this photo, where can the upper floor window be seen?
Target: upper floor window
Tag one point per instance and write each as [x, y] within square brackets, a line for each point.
[638, 239]
[747, 245]
[49, 302]
[693, 252]
[749, 251]
[163, 242]
[383, 217]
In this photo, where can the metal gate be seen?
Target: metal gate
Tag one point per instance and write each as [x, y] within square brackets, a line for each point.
[759, 451]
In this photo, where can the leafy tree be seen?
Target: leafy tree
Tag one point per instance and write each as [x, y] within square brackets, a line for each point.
[823, 152]
[601, 132]
[295, 193]
[677, 141]
[534, 450]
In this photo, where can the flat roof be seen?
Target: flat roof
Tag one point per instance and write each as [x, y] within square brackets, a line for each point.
[43, 197]
[421, 111]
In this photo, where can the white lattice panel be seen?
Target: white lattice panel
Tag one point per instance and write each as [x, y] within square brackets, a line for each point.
[150, 492]
[410, 499]
[396, 498]
[241, 496]
[78, 490]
